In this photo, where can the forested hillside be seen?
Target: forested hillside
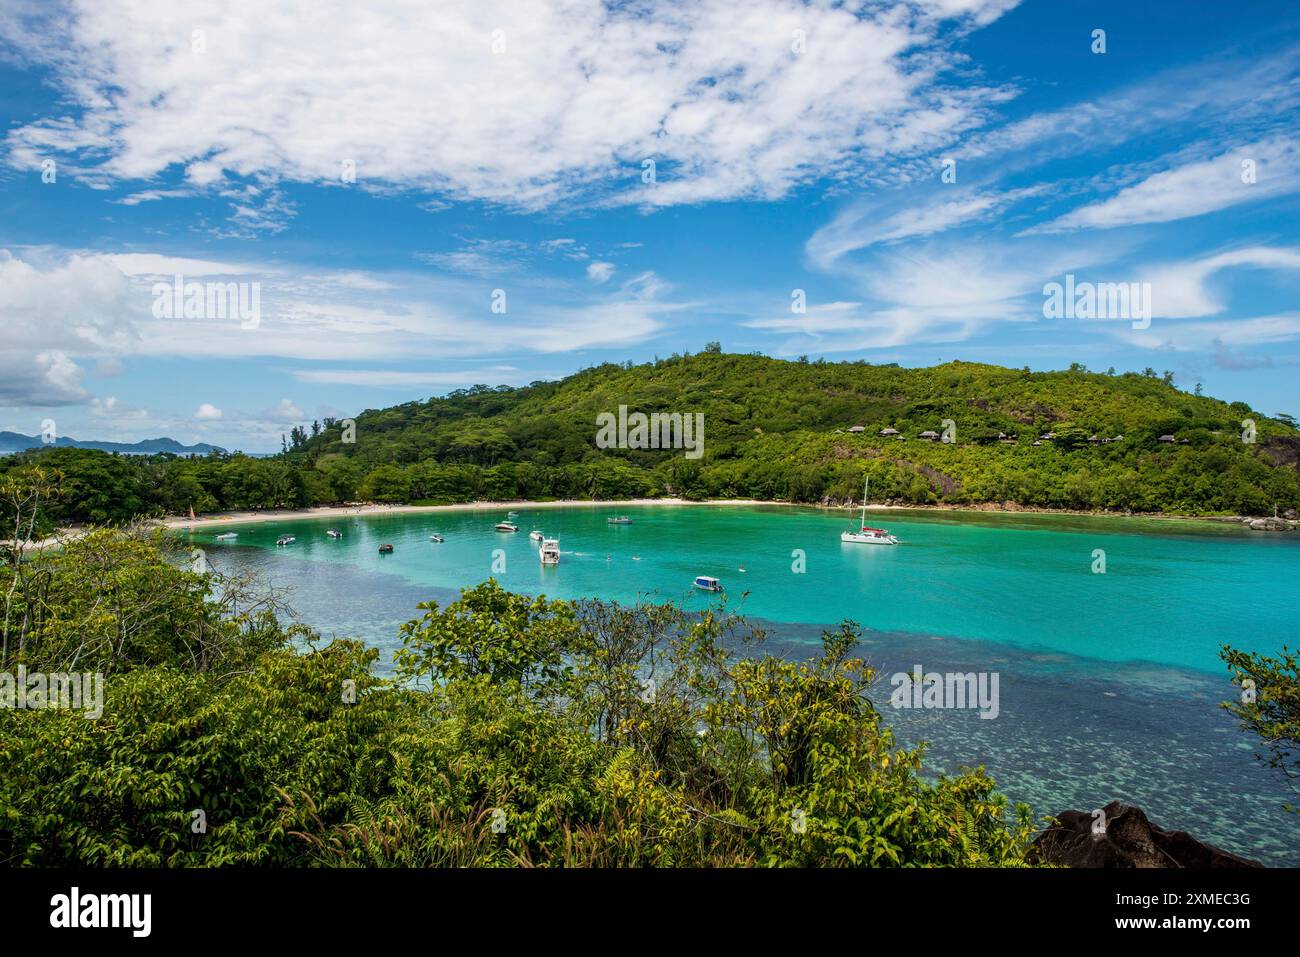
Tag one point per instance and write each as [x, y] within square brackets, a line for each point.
[773, 429]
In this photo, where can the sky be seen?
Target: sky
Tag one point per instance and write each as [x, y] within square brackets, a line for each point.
[409, 198]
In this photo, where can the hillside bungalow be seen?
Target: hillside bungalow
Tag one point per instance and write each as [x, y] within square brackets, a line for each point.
[889, 432]
[1047, 436]
[1118, 438]
[1013, 437]
[1167, 439]
[857, 428]
[930, 435]
[1094, 439]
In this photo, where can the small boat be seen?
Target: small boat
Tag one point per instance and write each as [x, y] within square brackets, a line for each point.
[706, 583]
[227, 536]
[619, 520]
[865, 534]
[436, 538]
[333, 533]
[512, 514]
[536, 536]
[507, 527]
[549, 552]
[385, 549]
[285, 540]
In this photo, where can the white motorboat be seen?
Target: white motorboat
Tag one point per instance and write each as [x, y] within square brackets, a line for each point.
[436, 538]
[536, 536]
[549, 552]
[285, 540]
[333, 533]
[864, 534]
[707, 583]
[227, 536]
[507, 527]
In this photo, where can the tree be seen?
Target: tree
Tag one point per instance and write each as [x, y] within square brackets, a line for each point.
[1269, 706]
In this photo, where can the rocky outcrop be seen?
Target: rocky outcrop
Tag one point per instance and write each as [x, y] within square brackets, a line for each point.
[1268, 524]
[1127, 839]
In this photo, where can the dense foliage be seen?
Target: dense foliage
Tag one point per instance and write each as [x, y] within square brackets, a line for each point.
[516, 731]
[773, 430]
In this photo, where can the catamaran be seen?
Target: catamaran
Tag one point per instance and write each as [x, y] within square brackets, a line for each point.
[865, 534]
[549, 552]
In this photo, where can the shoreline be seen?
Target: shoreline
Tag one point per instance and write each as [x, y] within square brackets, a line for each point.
[256, 517]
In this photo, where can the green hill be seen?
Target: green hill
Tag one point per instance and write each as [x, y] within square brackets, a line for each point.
[775, 429]
[772, 429]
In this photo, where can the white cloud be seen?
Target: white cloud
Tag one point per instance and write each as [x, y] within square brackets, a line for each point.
[207, 412]
[50, 314]
[600, 271]
[283, 411]
[155, 264]
[902, 215]
[1218, 336]
[485, 258]
[392, 378]
[1192, 189]
[575, 96]
[110, 407]
[1181, 290]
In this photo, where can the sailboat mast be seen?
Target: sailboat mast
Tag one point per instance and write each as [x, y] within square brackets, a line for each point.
[865, 486]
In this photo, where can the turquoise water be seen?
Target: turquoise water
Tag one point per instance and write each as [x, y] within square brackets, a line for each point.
[1172, 593]
[1109, 683]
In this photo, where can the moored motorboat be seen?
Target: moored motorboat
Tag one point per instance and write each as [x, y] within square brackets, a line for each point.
[549, 552]
[285, 540]
[707, 583]
[536, 536]
[227, 536]
[385, 549]
[333, 533]
[436, 538]
[619, 520]
[507, 527]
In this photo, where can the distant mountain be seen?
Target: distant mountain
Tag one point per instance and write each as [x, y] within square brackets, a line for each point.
[11, 442]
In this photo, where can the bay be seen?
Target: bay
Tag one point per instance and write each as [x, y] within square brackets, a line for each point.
[1109, 682]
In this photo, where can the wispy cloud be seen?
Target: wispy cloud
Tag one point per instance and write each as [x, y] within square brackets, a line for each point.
[1249, 174]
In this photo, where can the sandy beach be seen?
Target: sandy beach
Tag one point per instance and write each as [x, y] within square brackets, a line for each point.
[250, 517]
[343, 511]
[326, 511]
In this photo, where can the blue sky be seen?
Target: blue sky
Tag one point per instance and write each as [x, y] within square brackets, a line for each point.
[380, 171]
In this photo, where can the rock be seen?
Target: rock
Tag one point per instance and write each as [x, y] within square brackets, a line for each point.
[1268, 524]
[1130, 840]
[1290, 515]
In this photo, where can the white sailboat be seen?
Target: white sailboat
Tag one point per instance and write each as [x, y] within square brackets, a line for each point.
[865, 534]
